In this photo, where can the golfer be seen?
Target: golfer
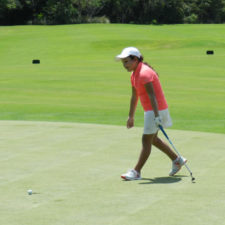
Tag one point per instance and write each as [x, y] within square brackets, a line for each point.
[146, 86]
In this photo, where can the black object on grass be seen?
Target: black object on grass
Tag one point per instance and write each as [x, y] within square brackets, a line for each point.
[36, 61]
[210, 52]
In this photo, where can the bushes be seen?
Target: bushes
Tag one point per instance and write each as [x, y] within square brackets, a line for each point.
[102, 19]
[117, 11]
[193, 18]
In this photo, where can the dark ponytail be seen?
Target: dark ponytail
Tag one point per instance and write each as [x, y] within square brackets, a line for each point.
[141, 59]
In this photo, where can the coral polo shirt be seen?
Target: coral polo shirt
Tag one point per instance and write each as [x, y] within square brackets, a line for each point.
[143, 75]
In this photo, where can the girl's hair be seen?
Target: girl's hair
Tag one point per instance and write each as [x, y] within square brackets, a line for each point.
[141, 59]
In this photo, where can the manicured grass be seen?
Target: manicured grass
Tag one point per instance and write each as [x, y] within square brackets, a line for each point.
[74, 171]
[79, 81]
[74, 168]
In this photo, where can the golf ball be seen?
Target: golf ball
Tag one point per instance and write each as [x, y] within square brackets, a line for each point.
[29, 192]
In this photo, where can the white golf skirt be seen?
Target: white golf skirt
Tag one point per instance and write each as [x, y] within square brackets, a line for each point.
[149, 122]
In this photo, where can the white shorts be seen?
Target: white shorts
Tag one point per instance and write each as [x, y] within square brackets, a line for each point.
[149, 123]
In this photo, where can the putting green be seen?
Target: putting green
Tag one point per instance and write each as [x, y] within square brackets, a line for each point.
[74, 171]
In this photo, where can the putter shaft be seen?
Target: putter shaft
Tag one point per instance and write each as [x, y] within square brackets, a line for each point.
[165, 134]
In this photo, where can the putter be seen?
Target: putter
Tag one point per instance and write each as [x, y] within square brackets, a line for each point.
[163, 131]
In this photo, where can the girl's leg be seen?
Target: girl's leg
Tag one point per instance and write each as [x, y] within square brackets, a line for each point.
[161, 145]
[147, 140]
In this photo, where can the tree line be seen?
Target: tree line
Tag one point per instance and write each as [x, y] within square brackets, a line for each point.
[15, 12]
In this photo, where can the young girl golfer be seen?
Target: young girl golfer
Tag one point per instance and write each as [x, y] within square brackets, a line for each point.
[146, 86]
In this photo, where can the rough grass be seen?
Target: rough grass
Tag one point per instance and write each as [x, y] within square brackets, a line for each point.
[79, 81]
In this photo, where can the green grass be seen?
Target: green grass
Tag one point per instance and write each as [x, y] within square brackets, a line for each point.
[74, 170]
[79, 81]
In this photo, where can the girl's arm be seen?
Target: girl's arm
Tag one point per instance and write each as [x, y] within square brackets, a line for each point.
[151, 93]
[133, 105]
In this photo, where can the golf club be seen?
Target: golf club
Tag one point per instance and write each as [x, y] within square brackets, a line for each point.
[163, 131]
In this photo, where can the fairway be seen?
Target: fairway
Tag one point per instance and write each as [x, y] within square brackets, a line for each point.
[74, 171]
[78, 79]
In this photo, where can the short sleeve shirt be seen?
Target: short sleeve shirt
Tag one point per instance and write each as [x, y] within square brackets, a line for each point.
[143, 75]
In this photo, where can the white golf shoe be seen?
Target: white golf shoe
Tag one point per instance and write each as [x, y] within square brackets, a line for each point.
[177, 164]
[131, 175]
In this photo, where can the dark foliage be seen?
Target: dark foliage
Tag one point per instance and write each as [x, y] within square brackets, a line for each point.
[14, 12]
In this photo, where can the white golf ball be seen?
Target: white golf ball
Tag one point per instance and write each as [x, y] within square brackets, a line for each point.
[29, 192]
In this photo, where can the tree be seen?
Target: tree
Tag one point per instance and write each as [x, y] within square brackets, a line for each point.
[210, 11]
[118, 11]
[173, 11]
[11, 12]
[71, 11]
[60, 12]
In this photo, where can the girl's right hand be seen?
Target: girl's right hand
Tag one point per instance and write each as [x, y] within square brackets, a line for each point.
[130, 122]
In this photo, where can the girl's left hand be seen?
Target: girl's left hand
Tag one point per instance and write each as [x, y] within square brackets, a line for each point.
[130, 122]
[158, 121]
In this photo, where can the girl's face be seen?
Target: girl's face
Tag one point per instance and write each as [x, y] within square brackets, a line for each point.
[130, 64]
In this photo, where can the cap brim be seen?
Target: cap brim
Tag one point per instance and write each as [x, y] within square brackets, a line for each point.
[121, 56]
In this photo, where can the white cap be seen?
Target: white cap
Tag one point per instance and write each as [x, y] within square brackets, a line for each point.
[127, 52]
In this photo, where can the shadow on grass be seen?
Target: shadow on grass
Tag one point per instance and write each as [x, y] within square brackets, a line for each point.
[162, 180]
